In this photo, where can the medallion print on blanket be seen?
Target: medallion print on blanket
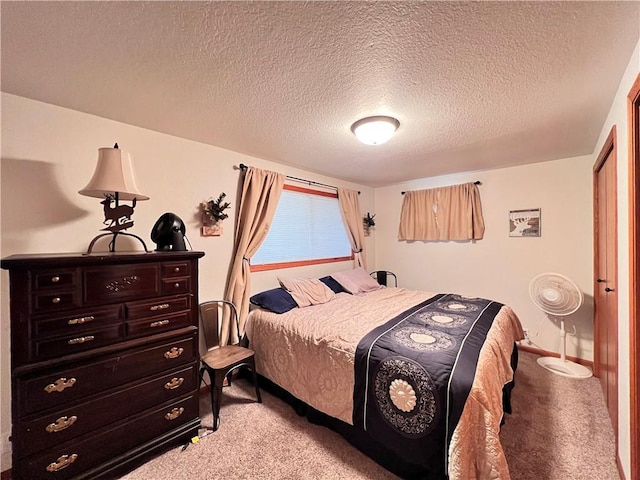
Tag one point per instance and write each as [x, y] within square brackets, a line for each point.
[396, 382]
[413, 375]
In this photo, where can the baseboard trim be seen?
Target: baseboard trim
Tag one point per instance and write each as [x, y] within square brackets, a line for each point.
[6, 475]
[545, 353]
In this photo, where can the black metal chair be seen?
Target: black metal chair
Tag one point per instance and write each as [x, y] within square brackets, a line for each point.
[382, 277]
[220, 362]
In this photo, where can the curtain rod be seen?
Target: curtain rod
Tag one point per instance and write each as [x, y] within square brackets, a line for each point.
[477, 182]
[301, 180]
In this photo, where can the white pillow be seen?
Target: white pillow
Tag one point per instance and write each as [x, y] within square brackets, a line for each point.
[357, 281]
[307, 291]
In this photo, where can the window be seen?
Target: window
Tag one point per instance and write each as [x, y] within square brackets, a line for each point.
[307, 229]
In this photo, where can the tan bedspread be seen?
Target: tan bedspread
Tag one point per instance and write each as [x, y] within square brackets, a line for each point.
[310, 353]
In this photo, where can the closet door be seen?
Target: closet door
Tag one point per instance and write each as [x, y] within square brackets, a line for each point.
[606, 271]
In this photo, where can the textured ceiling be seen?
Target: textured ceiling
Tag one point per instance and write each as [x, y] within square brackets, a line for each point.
[475, 85]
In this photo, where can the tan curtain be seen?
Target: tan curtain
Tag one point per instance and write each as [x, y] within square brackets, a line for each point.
[417, 217]
[261, 191]
[446, 213]
[352, 216]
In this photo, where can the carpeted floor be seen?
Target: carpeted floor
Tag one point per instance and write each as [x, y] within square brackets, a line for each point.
[559, 431]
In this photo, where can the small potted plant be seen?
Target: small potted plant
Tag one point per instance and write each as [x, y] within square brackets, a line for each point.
[213, 214]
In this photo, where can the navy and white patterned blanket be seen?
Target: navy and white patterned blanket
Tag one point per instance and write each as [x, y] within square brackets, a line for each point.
[413, 375]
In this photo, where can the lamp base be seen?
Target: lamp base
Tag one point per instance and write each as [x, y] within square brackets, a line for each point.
[112, 243]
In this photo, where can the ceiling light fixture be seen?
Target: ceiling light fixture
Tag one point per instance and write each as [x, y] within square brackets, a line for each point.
[375, 130]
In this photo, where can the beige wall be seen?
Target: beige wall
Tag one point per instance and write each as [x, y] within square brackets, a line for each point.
[49, 153]
[498, 266]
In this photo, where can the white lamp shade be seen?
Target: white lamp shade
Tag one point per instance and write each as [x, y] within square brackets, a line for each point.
[113, 174]
[375, 130]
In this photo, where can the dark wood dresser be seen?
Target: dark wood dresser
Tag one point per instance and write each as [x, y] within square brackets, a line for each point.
[104, 360]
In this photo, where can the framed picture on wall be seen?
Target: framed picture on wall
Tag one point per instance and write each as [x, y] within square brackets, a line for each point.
[525, 223]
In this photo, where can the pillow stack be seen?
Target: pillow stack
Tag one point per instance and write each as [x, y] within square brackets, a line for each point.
[303, 292]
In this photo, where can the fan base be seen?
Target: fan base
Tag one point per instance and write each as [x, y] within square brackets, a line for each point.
[565, 368]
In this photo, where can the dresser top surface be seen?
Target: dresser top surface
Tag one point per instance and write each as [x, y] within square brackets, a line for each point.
[45, 259]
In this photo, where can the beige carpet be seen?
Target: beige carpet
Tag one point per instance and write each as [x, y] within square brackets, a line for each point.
[559, 431]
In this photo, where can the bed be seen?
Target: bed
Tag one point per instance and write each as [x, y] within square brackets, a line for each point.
[418, 381]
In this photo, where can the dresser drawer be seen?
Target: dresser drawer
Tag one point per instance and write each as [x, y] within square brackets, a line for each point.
[76, 322]
[176, 286]
[69, 459]
[67, 423]
[65, 385]
[175, 269]
[158, 306]
[49, 301]
[148, 326]
[67, 345]
[43, 279]
[120, 282]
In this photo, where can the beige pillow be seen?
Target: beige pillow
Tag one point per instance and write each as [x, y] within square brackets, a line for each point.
[356, 281]
[307, 291]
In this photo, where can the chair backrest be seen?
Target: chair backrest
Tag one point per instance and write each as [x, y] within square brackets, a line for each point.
[382, 277]
[211, 313]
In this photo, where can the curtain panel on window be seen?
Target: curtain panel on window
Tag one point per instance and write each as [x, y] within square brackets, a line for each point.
[352, 216]
[445, 213]
[261, 191]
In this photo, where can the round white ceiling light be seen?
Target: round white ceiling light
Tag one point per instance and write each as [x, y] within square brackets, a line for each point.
[375, 130]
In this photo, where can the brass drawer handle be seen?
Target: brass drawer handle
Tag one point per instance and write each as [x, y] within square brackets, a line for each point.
[159, 323]
[63, 462]
[55, 300]
[174, 383]
[61, 424]
[173, 414]
[59, 385]
[75, 341]
[55, 279]
[81, 320]
[175, 352]
[162, 306]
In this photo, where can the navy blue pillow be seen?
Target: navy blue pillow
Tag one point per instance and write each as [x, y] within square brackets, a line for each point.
[333, 284]
[278, 300]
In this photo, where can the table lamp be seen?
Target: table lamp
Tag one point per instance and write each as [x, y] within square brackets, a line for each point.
[114, 180]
